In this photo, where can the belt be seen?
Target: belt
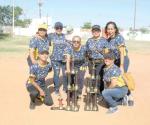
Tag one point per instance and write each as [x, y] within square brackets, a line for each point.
[98, 61]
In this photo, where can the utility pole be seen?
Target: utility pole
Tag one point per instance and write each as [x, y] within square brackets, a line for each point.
[134, 22]
[40, 3]
[13, 19]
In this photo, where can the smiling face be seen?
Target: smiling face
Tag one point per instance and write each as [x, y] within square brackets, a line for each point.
[76, 42]
[96, 33]
[111, 30]
[43, 57]
[42, 32]
[58, 30]
[108, 61]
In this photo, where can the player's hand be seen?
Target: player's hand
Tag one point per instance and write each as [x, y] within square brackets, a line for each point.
[42, 93]
[34, 61]
[104, 34]
[68, 71]
[88, 75]
[105, 50]
[38, 36]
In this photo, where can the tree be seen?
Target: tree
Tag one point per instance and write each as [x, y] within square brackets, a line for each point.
[144, 30]
[6, 15]
[23, 23]
[87, 25]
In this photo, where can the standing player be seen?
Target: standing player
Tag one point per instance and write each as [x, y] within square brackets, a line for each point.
[38, 44]
[77, 57]
[95, 47]
[60, 46]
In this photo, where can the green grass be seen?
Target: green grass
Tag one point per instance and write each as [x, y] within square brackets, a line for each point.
[14, 45]
[141, 47]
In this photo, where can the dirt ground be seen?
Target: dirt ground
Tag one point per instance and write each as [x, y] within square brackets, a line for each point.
[14, 102]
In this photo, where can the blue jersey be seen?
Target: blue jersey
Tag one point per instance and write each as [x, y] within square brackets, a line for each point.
[60, 46]
[40, 73]
[39, 45]
[95, 47]
[114, 44]
[113, 72]
[78, 56]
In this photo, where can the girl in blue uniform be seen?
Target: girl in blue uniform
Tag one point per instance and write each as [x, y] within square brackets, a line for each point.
[36, 82]
[116, 43]
[95, 47]
[37, 44]
[115, 87]
[78, 53]
[60, 46]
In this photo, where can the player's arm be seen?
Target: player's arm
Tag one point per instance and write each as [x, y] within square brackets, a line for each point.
[31, 54]
[32, 78]
[68, 62]
[113, 83]
[121, 49]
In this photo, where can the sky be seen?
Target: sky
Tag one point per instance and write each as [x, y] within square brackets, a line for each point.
[76, 12]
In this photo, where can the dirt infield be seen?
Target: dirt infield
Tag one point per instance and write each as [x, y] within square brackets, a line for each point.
[14, 103]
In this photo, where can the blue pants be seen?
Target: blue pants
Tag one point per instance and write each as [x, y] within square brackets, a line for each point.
[112, 95]
[57, 65]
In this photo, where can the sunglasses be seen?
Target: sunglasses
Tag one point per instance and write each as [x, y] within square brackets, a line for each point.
[58, 28]
[96, 30]
[76, 41]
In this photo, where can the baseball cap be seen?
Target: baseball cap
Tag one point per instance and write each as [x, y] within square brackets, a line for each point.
[109, 55]
[43, 26]
[96, 27]
[58, 25]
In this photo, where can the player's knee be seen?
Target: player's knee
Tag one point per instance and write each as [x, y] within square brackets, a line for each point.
[34, 93]
[48, 102]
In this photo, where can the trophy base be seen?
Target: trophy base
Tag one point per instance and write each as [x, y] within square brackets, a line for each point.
[72, 108]
[89, 108]
[57, 108]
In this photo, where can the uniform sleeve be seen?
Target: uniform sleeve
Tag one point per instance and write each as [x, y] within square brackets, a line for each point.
[116, 72]
[32, 43]
[68, 49]
[32, 71]
[49, 37]
[87, 45]
[120, 40]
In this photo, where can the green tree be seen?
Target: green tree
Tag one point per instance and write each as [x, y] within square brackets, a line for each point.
[6, 15]
[144, 30]
[87, 25]
[23, 23]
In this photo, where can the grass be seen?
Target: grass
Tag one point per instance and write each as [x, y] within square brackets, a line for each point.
[19, 45]
[141, 47]
[15, 45]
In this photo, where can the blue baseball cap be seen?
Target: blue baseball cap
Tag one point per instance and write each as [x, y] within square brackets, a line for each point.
[109, 55]
[96, 27]
[58, 25]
